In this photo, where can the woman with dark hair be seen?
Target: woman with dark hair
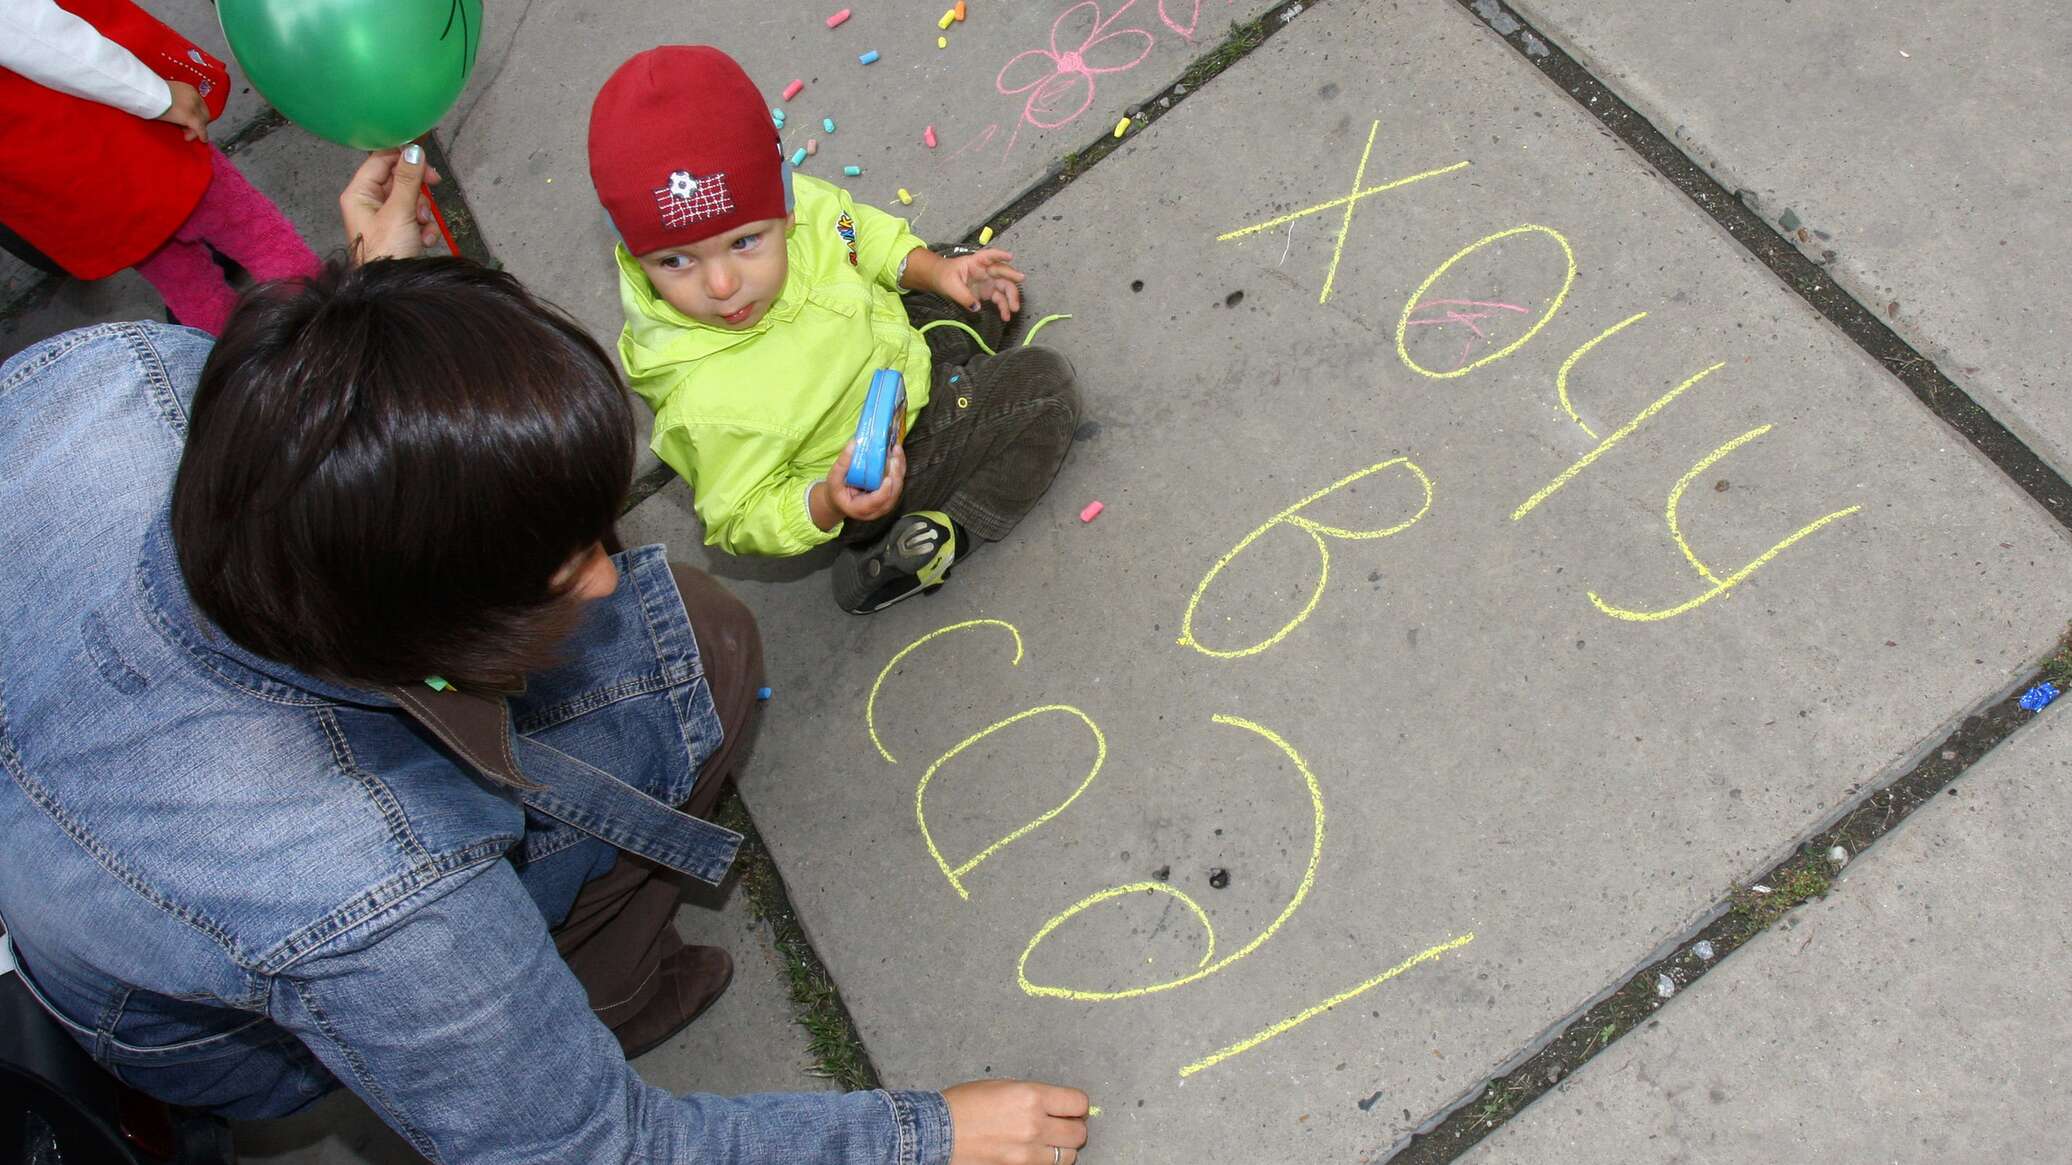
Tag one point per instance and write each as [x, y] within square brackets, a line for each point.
[337, 748]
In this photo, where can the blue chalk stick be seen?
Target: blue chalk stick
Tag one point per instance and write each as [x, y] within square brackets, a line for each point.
[852, 171]
[868, 57]
[762, 693]
[827, 124]
[798, 156]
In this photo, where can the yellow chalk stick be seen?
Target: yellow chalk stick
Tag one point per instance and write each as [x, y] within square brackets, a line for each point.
[942, 42]
[1093, 1110]
[949, 17]
[985, 236]
[1122, 127]
[905, 199]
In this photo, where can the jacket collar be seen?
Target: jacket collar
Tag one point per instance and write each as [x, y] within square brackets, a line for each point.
[162, 592]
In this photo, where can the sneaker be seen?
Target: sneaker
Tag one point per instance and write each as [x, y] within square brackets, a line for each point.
[913, 557]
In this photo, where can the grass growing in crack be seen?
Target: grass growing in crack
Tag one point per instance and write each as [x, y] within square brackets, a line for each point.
[2058, 668]
[1243, 39]
[1757, 911]
[837, 1050]
[1499, 1102]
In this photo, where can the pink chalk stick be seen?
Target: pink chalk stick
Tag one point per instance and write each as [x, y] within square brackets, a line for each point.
[792, 90]
[838, 18]
[812, 146]
[928, 135]
[1092, 511]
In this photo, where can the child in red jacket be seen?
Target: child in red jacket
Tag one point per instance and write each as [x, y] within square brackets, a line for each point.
[105, 161]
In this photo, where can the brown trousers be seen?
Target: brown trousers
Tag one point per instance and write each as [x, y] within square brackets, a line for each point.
[994, 433]
[620, 928]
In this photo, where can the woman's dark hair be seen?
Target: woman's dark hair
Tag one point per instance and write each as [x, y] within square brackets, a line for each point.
[387, 466]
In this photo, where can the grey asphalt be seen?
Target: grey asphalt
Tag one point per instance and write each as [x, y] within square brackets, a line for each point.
[1524, 780]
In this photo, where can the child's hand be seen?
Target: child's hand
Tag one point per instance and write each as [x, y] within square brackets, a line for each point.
[188, 111]
[852, 504]
[979, 278]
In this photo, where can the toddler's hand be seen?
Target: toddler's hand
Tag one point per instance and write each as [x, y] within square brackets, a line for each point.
[982, 277]
[188, 111]
[858, 505]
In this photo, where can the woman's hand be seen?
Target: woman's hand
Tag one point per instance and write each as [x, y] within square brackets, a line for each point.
[835, 500]
[383, 207]
[189, 111]
[1015, 1122]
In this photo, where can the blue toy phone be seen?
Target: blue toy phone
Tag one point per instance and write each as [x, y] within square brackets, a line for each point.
[876, 430]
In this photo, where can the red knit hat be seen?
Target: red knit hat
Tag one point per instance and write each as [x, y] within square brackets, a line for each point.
[682, 149]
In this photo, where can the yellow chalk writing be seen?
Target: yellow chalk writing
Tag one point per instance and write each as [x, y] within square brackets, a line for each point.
[1624, 431]
[1561, 377]
[956, 875]
[870, 705]
[1720, 586]
[1568, 280]
[1350, 202]
[1249, 1042]
[1205, 968]
[1318, 532]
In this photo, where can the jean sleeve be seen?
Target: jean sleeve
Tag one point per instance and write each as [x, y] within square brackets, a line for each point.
[463, 1028]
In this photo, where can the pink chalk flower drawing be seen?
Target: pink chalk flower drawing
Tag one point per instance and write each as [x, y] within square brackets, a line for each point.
[1060, 81]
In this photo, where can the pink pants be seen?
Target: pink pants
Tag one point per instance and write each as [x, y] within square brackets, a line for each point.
[234, 218]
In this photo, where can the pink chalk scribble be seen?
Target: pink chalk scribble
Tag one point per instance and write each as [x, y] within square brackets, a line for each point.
[1482, 309]
[1193, 19]
[1060, 81]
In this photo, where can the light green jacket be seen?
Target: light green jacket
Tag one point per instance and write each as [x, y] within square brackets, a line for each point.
[753, 418]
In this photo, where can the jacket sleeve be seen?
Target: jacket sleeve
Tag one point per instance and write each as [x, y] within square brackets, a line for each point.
[745, 487]
[882, 243]
[463, 1028]
[58, 50]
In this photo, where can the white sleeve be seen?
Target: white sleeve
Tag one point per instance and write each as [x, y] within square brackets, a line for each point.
[56, 49]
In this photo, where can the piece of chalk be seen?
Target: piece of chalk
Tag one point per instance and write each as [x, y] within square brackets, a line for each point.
[1122, 127]
[762, 693]
[852, 171]
[1092, 511]
[437, 683]
[812, 146]
[959, 11]
[928, 136]
[827, 125]
[798, 156]
[777, 118]
[792, 90]
[905, 199]
[985, 236]
[838, 18]
[867, 58]
[1093, 1110]
[942, 42]
[949, 17]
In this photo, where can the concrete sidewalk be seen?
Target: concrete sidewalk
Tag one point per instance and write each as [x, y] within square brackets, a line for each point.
[1471, 497]
[1914, 1015]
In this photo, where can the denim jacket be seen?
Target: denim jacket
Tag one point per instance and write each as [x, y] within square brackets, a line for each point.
[237, 885]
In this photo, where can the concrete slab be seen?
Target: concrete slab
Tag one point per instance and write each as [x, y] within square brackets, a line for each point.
[1496, 756]
[1912, 146]
[746, 1042]
[521, 150]
[1916, 1015]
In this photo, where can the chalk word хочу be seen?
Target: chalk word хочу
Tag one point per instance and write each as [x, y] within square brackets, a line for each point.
[1204, 968]
[1720, 586]
[870, 705]
[956, 875]
[1416, 300]
[1317, 532]
[1349, 202]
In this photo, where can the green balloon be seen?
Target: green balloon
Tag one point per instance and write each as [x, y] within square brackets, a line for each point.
[369, 74]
